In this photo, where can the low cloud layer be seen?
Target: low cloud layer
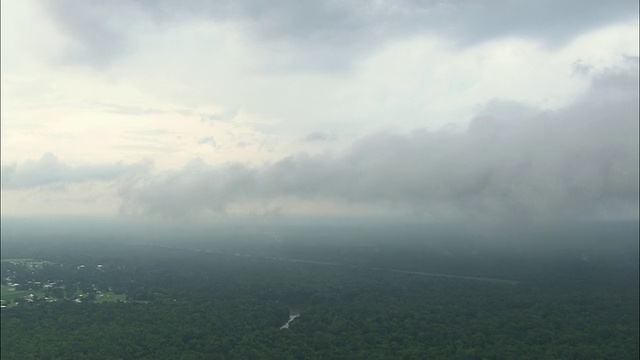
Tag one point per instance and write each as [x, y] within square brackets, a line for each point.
[513, 164]
[49, 171]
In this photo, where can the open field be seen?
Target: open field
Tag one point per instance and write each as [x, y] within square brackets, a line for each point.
[10, 296]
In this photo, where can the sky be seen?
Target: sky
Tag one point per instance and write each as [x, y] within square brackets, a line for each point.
[496, 112]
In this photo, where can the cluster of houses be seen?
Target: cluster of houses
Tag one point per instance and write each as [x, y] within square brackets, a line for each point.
[19, 284]
[29, 263]
[10, 285]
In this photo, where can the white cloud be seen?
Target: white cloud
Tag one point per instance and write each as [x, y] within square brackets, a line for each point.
[512, 165]
[126, 80]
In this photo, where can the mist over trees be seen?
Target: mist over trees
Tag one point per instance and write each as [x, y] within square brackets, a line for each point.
[362, 289]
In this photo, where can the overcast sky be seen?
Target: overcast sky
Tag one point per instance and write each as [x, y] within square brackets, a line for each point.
[504, 111]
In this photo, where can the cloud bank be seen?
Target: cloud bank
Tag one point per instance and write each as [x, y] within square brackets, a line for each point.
[49, 171]
[513, 164]
[334, 31]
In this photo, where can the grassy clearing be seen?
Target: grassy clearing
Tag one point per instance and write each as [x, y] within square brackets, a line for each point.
[10, 296]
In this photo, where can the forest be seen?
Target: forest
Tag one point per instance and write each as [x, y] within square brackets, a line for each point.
[226, 295]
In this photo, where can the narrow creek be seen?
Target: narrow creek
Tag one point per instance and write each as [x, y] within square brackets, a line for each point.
[291, 318]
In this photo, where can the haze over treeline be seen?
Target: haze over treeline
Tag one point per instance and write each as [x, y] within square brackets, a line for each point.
[578, 238]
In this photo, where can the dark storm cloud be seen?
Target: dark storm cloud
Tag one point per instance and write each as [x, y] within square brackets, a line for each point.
[513, 164]
[49, 171]
[333, 32]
